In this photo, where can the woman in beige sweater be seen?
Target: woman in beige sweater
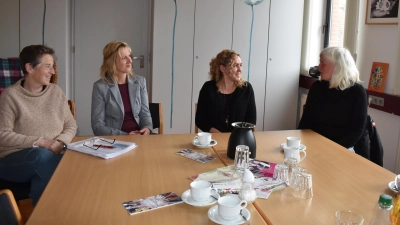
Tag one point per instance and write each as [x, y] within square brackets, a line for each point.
[35, 123]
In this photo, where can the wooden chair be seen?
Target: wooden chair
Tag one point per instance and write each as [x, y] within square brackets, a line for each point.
[157, 116]
[9, 212]
[54, 80]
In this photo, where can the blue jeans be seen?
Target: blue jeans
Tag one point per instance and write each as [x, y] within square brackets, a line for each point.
[32, 164]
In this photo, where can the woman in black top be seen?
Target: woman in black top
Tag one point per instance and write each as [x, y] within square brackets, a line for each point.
[336, 105]
[226, 98]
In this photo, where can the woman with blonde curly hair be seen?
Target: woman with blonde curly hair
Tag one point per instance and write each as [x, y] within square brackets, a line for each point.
[336, 105]
[226, 98]
[120, 103]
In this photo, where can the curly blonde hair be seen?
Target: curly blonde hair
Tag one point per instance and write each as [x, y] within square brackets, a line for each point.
[108, 69]
[224, 58]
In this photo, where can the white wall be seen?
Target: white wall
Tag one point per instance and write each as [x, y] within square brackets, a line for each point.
[31, 21]
[206, 27]
[379, 43]
[9, 29]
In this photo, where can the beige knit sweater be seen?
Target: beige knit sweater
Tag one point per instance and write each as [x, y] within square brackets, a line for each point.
[26, 116]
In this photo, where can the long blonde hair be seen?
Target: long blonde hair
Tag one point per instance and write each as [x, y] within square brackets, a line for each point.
[345, 73]
[108, 70]
[224, 58]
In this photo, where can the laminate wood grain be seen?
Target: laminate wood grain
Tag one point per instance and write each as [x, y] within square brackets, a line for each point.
[90, 190]
[341, 179]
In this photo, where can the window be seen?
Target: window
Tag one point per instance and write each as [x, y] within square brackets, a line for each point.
[335, 17]
[327, 23]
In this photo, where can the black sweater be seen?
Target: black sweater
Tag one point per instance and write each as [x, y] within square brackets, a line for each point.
[212, 107]
[338, 115]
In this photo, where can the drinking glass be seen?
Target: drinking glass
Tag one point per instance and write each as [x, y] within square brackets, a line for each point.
[347, 217]
[242, 157]
[294, 174]
[302, 187]
[291, 163]
[281, 173]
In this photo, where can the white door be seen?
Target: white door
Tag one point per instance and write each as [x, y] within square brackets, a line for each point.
[98, 22]
[283, 68]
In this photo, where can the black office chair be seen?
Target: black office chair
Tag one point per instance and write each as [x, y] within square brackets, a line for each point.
[9, 212]
[20, 190]
[370, 146]
[156, 116]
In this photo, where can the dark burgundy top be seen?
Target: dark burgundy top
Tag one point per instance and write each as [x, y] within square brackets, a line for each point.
[129, 123]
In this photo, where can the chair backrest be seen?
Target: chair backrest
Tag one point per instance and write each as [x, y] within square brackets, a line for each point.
[157, 116]
[10, 72]
[9, 212]
[196, 129]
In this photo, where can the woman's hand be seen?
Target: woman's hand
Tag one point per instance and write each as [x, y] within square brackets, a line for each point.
[144, 131]
[213, 130]
[52, 145]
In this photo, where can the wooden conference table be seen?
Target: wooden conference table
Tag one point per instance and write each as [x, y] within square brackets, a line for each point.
[342, 180]
[89, 190]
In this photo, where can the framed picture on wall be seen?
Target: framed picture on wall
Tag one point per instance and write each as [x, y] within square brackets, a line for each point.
[382, 12]
[377, 79]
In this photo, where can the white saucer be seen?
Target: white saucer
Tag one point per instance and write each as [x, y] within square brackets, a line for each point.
[392, 187]
[188, 199]
[197, 144]
[301, 147]
[214, 216]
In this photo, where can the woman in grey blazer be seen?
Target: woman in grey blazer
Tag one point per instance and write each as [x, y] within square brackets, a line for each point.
[120, 103]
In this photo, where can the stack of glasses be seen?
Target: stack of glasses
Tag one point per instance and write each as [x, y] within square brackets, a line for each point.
[296, 177]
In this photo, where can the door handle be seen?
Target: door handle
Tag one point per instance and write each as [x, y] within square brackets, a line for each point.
[141, 58]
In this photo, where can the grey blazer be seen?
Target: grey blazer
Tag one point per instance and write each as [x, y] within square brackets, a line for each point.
[108, 109]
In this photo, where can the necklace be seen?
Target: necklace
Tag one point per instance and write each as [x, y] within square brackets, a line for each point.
[227, 109]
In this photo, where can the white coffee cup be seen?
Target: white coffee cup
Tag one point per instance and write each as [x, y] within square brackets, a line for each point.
[397, 182]
[294, 152]
[292, 142]
[229, 206]
[203, 138]
[201, 190]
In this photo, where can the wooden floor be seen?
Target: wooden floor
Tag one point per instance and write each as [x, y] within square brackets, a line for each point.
[26, 208]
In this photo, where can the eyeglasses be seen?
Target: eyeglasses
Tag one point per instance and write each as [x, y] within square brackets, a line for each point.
[94, 145]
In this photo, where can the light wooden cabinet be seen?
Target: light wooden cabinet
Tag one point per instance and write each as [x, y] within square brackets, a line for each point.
[204, 28]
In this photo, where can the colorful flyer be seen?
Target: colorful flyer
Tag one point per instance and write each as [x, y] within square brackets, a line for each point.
[153, 202]
[199, 157]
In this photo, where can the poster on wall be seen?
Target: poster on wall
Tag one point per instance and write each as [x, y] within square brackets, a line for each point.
[382, 12]
[377, 80]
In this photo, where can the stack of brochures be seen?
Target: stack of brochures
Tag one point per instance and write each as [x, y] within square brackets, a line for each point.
[101, 147]
[228, 181]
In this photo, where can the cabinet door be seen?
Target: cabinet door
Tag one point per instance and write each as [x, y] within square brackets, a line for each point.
[213, 33]
[283, 67]
[182, 56]
[123, 20]
[259, 49]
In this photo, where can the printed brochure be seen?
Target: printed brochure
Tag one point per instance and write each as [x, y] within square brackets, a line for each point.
[153, 202]
[197, 156]
[228, 181]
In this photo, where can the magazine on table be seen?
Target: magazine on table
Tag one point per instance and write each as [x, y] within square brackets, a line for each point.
[101, 147]
[228, 181]
[197, 156]
[152, 202]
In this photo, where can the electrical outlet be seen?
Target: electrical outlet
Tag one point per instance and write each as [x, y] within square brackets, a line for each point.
[377, 100]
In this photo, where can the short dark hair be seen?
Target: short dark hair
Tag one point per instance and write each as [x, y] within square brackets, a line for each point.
[32, 54]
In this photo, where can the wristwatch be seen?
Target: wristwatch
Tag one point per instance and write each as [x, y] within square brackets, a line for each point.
[64, 146]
